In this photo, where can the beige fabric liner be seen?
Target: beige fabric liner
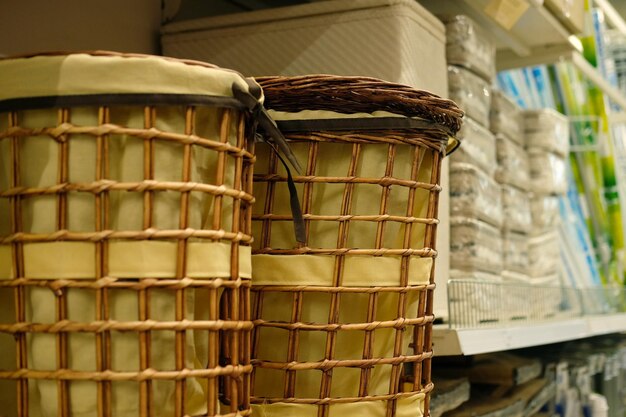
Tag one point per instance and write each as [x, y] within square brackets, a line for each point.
[128, 259]
[75, 74]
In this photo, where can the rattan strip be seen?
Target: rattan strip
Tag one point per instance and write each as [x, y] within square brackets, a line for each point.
[18, 267]
[400, 323]
[368, 345]
[101, 186]
[326, 289]
[60, 132]
[329, 364]
[143, 295]
[68, 326]
[103, 357]
[424, 252]
[238, 413]
[356, 94]
[357, 218]
[431, 139]
[293, 343]
[385, 181]
[124, 283]
[63, 407]
[137, 376]
[431, 231]
[343, 400]
[147, 234]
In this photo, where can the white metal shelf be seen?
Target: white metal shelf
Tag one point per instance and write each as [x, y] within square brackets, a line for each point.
[535, 29]
[449, 342]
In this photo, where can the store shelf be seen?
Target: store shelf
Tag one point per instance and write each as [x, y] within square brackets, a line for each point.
[552, 55]
[535, 30]
[613, 18]
[449, 342]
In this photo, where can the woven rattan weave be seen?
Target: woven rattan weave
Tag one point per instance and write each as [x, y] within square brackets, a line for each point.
[113, 210]
[344, 319]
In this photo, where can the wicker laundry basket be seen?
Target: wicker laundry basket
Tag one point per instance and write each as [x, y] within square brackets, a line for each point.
[125, 201]
[344, 318]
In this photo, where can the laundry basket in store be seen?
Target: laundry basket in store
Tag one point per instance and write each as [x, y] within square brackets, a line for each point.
[344, 317]
[125, 201]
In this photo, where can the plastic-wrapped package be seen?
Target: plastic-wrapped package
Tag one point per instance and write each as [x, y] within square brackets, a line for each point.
[469, 46]
[547, 129]
[506, 117]
[516, 207]
[516, 257]
[478, 146]
[473, 297]
[474, 194]
[544, 252]
[513, 168]
[470, 92]
[515, 295]
[547, 172]
[475, 245]
[544, 211]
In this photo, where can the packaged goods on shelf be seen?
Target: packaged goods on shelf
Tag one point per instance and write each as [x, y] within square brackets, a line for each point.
[470, 92]
[386, 39]
[516, 256]
[494, 369]
[486, 407]
[544, 211]
[516, 208]
[516, 295]
[535, 394]
[506, 117]
[448, 395]
[547, 129]
[475, 244]
[548, 305]
[547, 172]
[468, 46]
[543, 251]
[513, 167]
[473, 297]
[478, 146]
[474, 194]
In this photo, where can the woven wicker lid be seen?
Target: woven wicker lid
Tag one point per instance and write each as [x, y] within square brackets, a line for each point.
[349, 95]
[103, 72]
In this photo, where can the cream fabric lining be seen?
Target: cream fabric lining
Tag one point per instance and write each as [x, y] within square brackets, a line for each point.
[140, 259]
[359, 271]
[74, 74]
[412, 406]
[39, 167]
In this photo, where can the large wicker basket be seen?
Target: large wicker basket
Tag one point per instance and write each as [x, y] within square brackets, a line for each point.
[125, 195]
[344, 318]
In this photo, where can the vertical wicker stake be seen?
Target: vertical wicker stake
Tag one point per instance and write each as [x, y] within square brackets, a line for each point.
[360, 291]
[156, 324]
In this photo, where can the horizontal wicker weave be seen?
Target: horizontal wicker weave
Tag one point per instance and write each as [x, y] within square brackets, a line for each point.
[143, 333]
[367, 195]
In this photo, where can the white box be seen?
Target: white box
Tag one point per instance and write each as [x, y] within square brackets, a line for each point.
[394, 40]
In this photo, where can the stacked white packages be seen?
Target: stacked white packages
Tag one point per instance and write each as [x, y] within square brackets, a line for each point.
[513, 174]
[476, 249]
[468, 46]
[478, 147]
[475, 194]
[547, 145]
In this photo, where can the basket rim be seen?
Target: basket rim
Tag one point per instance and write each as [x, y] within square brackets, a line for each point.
[354, 94]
